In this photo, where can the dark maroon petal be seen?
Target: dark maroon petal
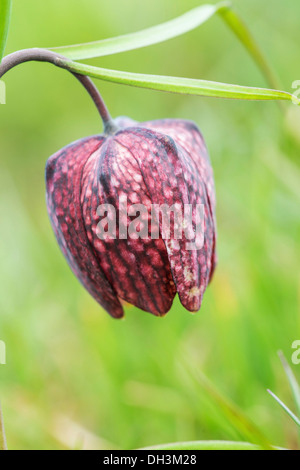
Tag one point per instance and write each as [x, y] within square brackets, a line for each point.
[171, 177]
[137, 268]
[63, 180]
[188, 136]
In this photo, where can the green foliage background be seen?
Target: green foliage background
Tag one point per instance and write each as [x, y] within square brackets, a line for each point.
[75, 377]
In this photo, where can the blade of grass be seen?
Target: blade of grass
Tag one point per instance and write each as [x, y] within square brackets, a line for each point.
[147, 37]
[5, 10]
[285, 408]
[231, 411]
[239, 28]
[178, 84]
[292, 380]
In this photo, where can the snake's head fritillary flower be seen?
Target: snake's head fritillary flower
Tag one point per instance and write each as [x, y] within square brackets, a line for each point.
[108, 198]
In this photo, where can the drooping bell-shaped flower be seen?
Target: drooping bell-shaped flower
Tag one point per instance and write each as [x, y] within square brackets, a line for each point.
[133, 213]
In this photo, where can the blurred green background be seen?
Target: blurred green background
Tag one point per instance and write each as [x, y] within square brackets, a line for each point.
[77, 378]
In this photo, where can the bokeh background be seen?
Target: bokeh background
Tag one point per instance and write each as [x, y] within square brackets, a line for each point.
[77, 378]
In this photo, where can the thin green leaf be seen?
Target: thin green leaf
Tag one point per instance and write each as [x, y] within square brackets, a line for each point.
[156, 34]
[292, 380]
[178, 85]
[285, 408]
[5, 10]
